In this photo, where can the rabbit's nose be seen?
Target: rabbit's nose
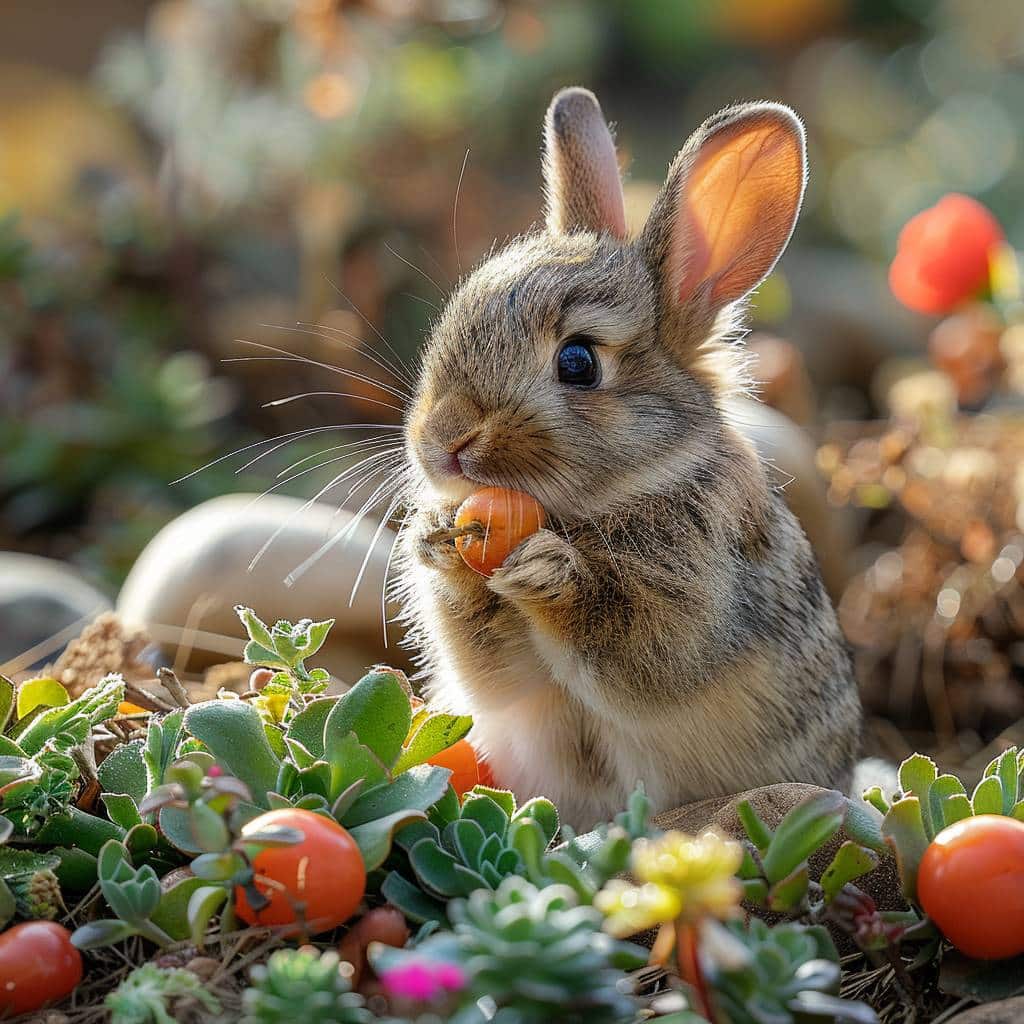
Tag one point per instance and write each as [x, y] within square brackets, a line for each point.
[454, 451]
[453, 422]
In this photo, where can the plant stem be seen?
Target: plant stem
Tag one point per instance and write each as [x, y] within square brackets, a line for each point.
[173, 686]
[689, 965]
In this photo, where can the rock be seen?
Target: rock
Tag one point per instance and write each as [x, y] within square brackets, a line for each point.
[40, 599]
[772, 803]
[1005, 1011]
[185, 584]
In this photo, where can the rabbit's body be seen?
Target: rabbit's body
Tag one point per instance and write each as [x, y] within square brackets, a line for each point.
[669, 625]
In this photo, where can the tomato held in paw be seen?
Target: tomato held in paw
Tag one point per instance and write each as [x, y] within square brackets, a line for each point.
[971, 884]
[323, 876]
[461, 759]
[506, 519]
[38, 965]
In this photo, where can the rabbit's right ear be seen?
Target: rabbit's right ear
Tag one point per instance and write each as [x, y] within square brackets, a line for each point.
[581, 174]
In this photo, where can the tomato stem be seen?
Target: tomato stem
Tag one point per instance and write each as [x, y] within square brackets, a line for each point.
[470, 529]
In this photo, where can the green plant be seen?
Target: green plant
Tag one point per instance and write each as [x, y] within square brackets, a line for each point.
[28, 885]
[927, 802]
[148, 995]
[302, 984]
[782, 974]
[534, 955]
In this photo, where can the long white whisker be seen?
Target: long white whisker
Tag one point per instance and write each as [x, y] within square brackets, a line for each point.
[286, 355]
[308, 432]
[419, 270]
[330, 394]
[385, 519]
[397, 370]
[455, 212]
[366, 445]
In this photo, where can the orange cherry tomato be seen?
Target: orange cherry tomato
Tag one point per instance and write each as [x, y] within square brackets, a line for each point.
[38, 965]
[324, 874]
[508, 518]
[461, 759]
[971, 884]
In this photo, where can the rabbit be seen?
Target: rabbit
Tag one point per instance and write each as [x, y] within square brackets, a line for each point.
[669, 624]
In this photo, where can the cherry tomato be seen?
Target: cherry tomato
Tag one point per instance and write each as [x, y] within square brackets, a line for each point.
[386, 925]
[971, 884]
[324, 874]
[507, 517]
[461, 759]
[38, 965]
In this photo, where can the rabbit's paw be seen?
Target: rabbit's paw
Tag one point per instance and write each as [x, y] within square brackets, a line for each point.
[431, 547]
[542, 568]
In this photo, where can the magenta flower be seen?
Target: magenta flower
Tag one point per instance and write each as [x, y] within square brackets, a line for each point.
[422, 980]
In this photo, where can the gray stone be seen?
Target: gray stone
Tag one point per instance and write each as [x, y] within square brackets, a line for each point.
[43, 604]
[1005, 1011]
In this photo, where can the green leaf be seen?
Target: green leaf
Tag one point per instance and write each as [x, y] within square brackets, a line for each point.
[44, 692]
[162, 738]
[95, 705]
[171, 915]
[417, 906]
[257, 654]
[316, 634]
[988, 796]
[7, 700]
[1006, 772]
[542, 811]
[863, 824]
[806, 828]
[436, 733]
[789, 892]
[121, 809]
[416, 789]
[941, 789]
[77, 828]
[436, 868]
[208, 827]
[850, 862]
[124, 771]
[232, 731]
[351, 761]
[8, 748]
[255, 627]
[375, 837]
[917, 773]
[486, 813]
[76, 871]
[101, 933]
[378, 711]
[757, 831]
[903, 829]
[204, 902]
[307, 727]
[955, 808]
[874, 796]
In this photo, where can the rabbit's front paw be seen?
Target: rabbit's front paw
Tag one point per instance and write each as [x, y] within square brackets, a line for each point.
[541, 569]
[431, 547]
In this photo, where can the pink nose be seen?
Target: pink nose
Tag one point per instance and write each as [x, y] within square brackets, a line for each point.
[454, 463]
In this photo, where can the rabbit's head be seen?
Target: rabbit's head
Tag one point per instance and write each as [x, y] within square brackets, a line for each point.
[584, 367]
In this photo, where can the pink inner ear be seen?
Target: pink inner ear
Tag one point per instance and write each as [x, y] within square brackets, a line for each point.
[736, 208]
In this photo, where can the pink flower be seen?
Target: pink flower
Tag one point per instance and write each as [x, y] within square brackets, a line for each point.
[422, 980]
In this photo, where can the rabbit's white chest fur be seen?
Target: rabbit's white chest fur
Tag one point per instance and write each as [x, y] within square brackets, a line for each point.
[541, 720]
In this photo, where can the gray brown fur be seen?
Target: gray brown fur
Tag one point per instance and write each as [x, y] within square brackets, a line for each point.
[669, 625]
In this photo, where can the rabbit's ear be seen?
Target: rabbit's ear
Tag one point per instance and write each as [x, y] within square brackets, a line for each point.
[729, 205]
[581, 175]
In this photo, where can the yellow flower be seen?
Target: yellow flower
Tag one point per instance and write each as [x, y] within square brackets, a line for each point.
[273, 703]
[681, 877]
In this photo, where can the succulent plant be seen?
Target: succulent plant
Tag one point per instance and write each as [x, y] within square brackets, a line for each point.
[928, 802]
[148, 994]
[778, 975]
[302, 984]
[532, 955]
[486, 840]
[30, 880]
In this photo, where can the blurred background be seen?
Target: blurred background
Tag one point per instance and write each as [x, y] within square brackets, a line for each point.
[209, 206]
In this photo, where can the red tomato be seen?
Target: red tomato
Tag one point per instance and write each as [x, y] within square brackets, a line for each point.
[324, 875]
[461, 759]
[943, 255]
[508, 518]
[38, 965]
[971, 884]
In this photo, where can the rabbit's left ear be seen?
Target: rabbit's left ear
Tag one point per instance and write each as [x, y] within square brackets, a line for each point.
[729, 205]
[581, 174]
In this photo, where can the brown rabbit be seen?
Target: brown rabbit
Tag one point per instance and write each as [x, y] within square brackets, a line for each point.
[670, 625]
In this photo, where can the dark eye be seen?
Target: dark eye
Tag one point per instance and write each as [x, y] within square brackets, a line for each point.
[578, 364]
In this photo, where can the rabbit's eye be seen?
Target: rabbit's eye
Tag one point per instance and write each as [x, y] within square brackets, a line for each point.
[578, 364]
